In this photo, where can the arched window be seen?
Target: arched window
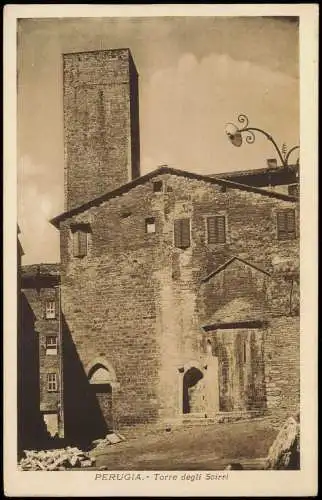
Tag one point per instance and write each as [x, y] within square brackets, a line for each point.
[99, 374]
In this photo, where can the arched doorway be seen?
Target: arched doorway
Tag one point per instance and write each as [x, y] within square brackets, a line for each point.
[101, 380]
[193, 391]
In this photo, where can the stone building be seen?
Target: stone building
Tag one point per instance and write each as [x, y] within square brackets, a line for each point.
[281, 179]
[40, 350]
[179, 291]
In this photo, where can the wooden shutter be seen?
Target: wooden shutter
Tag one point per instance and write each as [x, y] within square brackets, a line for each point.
[80, 243]
[290, 221]
[82, 235]
[216, 227]
[182, 233]
[76, 244]
[286, 224]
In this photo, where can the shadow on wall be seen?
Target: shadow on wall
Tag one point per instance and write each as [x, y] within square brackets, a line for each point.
[32, 431]
[83, 417]
[190, 385]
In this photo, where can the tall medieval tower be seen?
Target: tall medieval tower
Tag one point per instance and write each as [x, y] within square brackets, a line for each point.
[101, 123]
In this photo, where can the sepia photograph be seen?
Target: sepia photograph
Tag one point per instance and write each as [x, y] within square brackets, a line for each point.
[158, 234]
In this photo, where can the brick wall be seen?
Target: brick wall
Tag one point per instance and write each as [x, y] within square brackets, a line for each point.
[135, 298]
[101, 115]
[282, 363]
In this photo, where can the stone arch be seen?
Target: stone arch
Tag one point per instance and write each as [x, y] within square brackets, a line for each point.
[102, 380]
[193, 390]
[193, 363]
[190, 374]
[101, 371]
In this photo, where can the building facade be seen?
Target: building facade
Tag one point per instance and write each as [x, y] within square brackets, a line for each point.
[183, 298]
[42, 348]
[179, 292]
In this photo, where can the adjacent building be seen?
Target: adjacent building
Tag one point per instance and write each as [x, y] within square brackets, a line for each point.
[41, 350]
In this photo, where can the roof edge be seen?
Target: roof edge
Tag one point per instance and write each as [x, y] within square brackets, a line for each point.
[172, 171]
[229, 261]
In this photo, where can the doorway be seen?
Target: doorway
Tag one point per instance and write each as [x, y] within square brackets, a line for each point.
[100, 382]
[193, 391]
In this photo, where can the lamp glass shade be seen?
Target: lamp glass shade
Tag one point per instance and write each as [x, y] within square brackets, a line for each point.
[233, 134]
[236, 139]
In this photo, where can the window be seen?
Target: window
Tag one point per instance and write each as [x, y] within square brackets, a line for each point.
[182, 233]
[52, 384]
[50, 309]
[51, 345]
[293, 189]
[244, 352]
[150, 225]
[216, 229]
[157, 186]
[80, 237]
[286, 224]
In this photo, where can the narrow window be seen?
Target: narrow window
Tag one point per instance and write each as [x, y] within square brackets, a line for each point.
[286, 224]
[51, 345]
[80, 240]
[50, 309]
[182, 233]
[216, 228]
[150, 225]
[244, 352]
[52, 385]
[157, 186]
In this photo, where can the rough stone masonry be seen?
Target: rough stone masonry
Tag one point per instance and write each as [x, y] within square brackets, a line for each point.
[179, 292]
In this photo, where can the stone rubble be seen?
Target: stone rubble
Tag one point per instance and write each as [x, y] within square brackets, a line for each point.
[112, 438]
[54, 460]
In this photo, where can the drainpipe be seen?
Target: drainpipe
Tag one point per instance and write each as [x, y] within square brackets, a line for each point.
[61, 368]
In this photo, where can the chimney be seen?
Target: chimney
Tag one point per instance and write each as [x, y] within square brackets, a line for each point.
[271, 163]
[101, 123]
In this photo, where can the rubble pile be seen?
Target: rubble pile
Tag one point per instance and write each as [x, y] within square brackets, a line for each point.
[55, 460]
[112, 438]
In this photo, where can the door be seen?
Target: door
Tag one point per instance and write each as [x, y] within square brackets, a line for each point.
[103, 394]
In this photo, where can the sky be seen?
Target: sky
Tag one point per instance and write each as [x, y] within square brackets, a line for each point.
[195, 75]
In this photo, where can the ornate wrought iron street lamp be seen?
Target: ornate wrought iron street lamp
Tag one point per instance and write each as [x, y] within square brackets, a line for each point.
[235, 135]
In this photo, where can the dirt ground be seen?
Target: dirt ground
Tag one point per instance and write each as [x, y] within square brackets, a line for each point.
[209, 447]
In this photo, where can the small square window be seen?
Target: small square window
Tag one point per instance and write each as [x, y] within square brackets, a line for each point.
[150, 225]
[52, 383]
[157, 186]
[50, 309]
[51, 345]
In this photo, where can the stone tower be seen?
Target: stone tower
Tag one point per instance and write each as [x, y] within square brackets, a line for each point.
[101, 123]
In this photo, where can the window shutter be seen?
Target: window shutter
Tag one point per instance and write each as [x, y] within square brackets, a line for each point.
[182, 233]
[216, 227]
[185, 233]
[82, 235]
[290, 221]
[76, 244]
[286, 224]
[211, 229]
